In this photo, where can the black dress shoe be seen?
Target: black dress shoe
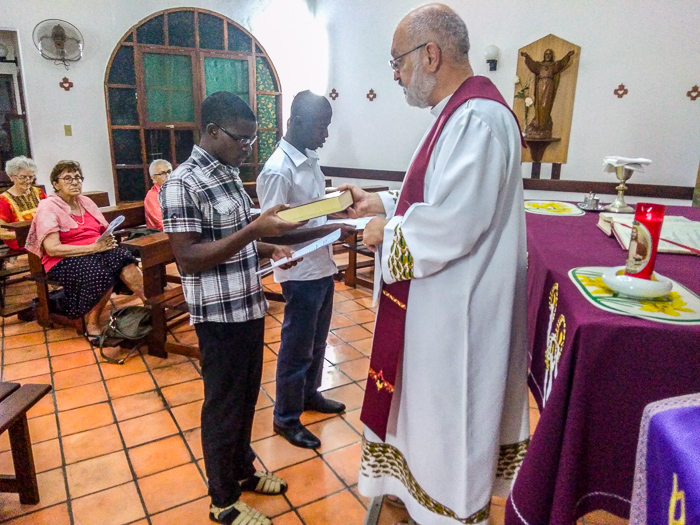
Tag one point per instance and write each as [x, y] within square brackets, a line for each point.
[324, 406]
[298, 436]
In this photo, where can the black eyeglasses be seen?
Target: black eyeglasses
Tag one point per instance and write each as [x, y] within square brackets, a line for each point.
[166, 172]
[395, 62]
[243, 141]
[78, 179]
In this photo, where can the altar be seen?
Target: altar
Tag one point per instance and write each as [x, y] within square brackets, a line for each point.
[593, 371]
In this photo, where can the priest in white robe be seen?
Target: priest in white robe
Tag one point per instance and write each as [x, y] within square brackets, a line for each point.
[447, 426]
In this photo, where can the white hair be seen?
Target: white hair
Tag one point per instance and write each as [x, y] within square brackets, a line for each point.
[421, 87]
[20, 163]
[441, 25]
[152, 167]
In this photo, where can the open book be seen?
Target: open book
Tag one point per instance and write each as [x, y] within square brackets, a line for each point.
[329, 203]
[676, 229]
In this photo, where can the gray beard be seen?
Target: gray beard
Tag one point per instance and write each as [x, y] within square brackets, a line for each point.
[422, 86]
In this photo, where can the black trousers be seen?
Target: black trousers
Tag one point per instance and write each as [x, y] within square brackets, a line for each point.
[232, 357]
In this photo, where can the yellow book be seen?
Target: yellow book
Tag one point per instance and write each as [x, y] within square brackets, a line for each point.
[330, 203]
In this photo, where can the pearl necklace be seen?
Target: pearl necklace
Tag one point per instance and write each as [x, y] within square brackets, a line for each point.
[82, 215]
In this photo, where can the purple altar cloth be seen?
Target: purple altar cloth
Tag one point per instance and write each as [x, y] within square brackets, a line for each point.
[667, 475]
[600, 370]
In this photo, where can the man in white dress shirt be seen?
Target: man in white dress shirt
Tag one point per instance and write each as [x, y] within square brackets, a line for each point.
[446, 410]
[292, 176]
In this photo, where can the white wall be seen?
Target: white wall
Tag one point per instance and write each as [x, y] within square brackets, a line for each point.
[275, 23]
[651, 47]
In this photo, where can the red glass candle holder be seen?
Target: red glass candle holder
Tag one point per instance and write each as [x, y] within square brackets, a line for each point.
[646, 231]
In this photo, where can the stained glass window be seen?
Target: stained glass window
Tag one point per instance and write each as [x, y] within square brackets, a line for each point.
[181, 28]
[152, 32]
[225, 74]
[211, 32]
[267, 111]
[267, 140]
[168, 81]
[265, 79]
[201, 52]
[122, 107]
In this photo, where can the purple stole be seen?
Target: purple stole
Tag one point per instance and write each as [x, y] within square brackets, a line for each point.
[389, 331]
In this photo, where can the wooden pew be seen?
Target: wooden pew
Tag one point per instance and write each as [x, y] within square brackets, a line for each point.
[133, 217]
[15, 401]
[155, 253]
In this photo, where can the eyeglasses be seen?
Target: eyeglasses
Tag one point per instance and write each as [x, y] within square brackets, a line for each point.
[166, 172]
[25, 178]
[243, 141]
[394, 64]
[71, 180]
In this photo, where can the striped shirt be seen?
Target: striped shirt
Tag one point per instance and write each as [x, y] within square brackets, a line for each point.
[204, 196]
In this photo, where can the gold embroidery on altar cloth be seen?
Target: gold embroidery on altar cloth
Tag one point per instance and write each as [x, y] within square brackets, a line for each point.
[381, 459]
[510, 458]
[556, 337]
[394, 299]
[379, 380]
[400, 258]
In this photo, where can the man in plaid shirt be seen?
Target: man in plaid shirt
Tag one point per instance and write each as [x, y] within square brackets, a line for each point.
[206, 214]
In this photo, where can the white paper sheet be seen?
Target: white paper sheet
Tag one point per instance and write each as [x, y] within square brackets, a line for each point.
[358, 224]
[111, 228]
[319, 243]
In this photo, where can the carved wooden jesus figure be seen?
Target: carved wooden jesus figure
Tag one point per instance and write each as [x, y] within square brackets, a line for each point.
[547, 81]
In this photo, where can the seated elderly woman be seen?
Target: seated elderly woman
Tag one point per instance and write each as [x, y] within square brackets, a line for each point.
[65, 235]
[159, 170]
[19, 203]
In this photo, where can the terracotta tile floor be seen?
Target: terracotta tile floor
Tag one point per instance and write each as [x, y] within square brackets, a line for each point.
[120, 445]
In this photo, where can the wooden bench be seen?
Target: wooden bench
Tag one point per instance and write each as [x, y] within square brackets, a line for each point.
[134, 216]
[166, 305]
[355, 247]
[15, 401]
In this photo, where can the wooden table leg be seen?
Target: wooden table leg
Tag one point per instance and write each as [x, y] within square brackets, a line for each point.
[351, 270]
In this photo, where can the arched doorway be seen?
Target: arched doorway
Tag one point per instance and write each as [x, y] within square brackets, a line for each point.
[156, 79]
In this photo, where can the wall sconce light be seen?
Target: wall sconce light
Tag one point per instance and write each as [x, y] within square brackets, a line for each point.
[492, 53]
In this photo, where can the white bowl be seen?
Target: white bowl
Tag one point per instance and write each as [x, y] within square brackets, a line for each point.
[634, 286]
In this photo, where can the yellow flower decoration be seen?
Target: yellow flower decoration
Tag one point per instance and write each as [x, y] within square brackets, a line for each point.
[554, 207]
[601, 288]
[669, 306]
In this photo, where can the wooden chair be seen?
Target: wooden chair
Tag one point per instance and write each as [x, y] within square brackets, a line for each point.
[15, 401]
[133, 216]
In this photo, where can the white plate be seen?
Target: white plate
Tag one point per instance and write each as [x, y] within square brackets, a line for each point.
[634, 286]
[557, 208]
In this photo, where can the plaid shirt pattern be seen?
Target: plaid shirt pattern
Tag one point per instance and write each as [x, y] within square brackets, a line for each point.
[204, 196]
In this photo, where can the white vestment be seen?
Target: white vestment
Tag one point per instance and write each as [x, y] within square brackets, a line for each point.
[459, 412]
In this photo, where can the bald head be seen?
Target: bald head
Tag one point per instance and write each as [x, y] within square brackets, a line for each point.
[439, 24]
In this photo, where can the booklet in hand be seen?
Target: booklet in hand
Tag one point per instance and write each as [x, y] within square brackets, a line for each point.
[111, 228]
[317, 244]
